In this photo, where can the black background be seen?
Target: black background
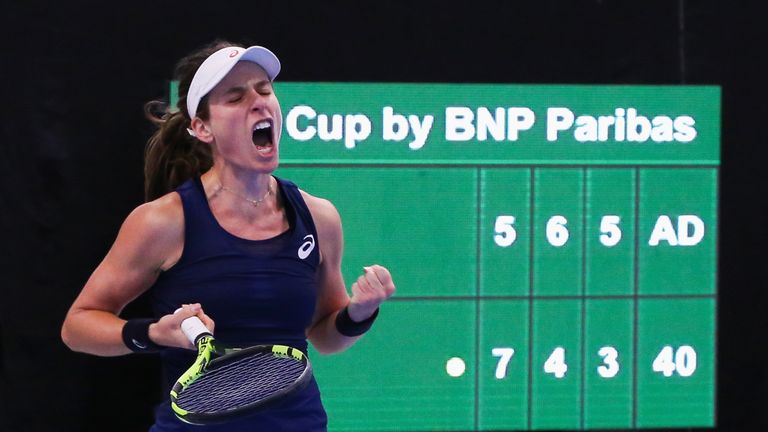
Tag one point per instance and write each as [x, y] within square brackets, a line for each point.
[74, 77]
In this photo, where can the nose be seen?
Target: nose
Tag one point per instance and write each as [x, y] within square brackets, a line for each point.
[258, 100]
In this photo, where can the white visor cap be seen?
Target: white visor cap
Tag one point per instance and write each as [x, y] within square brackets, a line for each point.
[218, 65]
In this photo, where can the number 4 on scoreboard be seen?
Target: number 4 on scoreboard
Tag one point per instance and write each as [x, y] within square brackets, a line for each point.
[555, 364]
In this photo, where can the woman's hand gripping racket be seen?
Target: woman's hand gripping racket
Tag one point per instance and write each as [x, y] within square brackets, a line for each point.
[226, 384]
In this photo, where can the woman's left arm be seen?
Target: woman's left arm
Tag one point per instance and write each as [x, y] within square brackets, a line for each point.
[371, 289]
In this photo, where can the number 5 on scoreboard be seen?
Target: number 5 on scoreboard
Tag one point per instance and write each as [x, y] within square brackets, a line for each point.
[505, 230]
[610, 231]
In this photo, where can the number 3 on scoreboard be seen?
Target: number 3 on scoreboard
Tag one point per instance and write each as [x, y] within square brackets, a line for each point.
[610, 366]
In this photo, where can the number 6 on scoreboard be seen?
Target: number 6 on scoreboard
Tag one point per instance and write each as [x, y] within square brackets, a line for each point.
[557, 231]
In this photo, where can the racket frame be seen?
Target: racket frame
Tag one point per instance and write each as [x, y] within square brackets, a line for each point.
[210, 356]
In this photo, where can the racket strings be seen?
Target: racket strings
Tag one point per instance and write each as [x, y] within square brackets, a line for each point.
[245, 381]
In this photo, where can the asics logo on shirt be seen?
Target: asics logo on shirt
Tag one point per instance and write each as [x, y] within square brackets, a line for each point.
[307, 247]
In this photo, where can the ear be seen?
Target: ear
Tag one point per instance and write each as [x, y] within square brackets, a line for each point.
[201, 130]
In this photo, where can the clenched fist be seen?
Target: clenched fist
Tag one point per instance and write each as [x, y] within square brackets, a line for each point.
[369, 291]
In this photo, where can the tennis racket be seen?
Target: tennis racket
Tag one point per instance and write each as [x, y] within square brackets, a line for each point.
[225, 384]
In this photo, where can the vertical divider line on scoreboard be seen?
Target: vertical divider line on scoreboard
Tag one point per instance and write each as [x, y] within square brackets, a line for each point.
[716, 337]
[585, 198]
[478, 273]
[531, 261]
[635, 291]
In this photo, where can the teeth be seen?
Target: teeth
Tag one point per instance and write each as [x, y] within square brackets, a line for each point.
[262, 125]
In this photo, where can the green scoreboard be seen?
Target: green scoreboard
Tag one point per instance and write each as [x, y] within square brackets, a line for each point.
[554, 250]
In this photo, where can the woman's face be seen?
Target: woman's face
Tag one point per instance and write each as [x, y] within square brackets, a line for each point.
[245, 119]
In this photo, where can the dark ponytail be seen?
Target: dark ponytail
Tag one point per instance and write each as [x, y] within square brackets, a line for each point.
[172, 155]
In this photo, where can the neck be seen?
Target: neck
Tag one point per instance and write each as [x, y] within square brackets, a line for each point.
[247, 193]
[244, 182]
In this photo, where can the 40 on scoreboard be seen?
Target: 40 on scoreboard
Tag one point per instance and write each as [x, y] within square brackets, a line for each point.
[554, 249]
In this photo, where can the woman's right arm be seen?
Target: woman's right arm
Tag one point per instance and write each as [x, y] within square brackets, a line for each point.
[150, 241]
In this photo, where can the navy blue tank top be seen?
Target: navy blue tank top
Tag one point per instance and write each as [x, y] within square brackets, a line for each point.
[257, 292]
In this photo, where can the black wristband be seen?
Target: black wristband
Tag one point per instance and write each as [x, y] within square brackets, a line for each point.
[136, 336]
[347, 327]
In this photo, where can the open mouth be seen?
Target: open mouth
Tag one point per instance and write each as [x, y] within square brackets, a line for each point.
[262, 135]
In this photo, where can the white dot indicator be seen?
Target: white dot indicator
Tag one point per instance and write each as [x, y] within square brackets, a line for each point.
[455, 367]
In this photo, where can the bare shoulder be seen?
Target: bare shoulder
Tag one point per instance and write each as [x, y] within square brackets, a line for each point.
[328, 224]
[323, 212]
[154, 231]
[164, 215]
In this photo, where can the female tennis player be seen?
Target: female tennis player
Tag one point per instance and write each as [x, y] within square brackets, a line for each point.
[224, 239]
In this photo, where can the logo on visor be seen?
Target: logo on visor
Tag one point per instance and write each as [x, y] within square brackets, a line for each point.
[233, 53]
[306, 248]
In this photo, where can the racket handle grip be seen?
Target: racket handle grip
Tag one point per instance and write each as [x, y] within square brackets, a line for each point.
[193, 328]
